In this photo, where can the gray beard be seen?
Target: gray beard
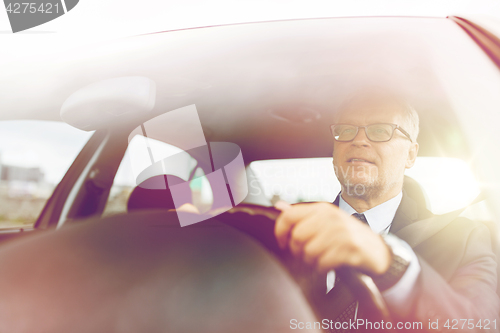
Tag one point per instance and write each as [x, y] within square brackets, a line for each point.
[363, 190]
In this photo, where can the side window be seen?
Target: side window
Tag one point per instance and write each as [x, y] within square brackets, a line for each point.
[294, 180]
[135, 161]
[448, 183]
[34, 156]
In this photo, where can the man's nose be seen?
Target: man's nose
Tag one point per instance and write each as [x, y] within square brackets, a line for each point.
[361, 139]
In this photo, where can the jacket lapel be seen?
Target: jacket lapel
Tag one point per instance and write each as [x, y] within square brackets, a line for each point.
[406, 214]
[337, 200]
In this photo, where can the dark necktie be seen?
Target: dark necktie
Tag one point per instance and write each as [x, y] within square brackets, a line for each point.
[360, 217]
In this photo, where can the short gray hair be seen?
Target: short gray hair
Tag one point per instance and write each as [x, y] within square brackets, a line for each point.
[411, 119]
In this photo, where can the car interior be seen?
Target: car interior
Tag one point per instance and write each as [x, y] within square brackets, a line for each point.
[272, 90]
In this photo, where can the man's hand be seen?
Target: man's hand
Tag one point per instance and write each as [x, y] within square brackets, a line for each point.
[326, 237]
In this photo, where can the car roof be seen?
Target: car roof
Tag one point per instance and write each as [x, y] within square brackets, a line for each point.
[270, 87]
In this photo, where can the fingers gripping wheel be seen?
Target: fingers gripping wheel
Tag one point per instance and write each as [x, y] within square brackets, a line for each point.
[258, 222]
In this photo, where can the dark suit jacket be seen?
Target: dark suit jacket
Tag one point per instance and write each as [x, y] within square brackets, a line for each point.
[458, 277]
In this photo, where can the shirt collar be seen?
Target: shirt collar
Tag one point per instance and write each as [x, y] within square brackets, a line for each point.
[379, 217]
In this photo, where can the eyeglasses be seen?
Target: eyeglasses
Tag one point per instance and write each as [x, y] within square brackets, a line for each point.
[374, 132]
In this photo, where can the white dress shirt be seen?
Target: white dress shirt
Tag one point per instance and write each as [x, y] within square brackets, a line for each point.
[379, 219]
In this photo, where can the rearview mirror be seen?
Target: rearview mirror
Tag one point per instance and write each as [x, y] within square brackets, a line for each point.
[103, 103]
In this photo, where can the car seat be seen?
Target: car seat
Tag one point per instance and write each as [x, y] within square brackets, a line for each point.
[154, 193]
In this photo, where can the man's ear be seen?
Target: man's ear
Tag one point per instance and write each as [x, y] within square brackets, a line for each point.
[412, 155]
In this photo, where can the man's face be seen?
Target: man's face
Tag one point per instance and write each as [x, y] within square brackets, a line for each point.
[367, 168]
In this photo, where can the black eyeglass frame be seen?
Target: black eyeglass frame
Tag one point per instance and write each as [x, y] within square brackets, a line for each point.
[394, 128]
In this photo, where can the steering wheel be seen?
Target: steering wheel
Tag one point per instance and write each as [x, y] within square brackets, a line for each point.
[258, 222]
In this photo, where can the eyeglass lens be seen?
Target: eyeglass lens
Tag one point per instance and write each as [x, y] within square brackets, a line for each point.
[375, 132]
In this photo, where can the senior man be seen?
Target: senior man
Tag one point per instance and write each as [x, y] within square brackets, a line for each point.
[449, 271]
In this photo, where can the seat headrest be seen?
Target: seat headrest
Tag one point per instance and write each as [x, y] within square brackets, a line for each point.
[154, 193]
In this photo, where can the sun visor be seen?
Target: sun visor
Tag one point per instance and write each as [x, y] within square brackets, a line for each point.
[103, 103]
